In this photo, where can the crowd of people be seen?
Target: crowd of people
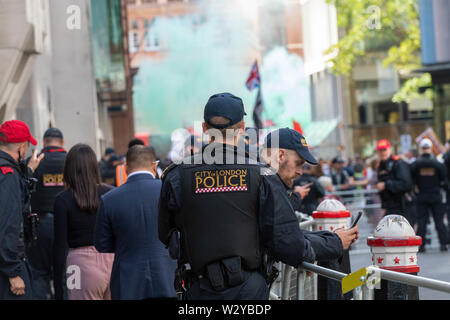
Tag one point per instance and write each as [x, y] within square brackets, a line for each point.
[115, 229]
[425, 193]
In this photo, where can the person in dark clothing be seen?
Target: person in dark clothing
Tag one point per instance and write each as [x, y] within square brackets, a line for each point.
[15, 275]
[229, 210]
[340, 177]
[330, 247]
[127, 225]
[88, 271]
[311, 201]
[394, 180]
[430, 177]
[107, 168]
[49, 177]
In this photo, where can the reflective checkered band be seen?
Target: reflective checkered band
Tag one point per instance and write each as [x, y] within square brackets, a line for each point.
[221, 189]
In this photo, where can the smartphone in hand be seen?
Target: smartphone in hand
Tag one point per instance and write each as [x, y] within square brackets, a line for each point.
[357, 219]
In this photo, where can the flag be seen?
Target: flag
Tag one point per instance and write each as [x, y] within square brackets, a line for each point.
[254, 80]
[297, 127]
[257, 111]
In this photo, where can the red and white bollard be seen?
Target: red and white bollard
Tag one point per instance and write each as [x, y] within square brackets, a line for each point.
[330, 215]
[394, 246]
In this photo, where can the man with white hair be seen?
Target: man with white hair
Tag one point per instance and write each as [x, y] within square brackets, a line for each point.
[430, 176]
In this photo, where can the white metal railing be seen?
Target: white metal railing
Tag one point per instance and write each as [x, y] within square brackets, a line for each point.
[361, 293]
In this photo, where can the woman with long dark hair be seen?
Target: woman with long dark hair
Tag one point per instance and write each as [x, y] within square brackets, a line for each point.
[88, 271]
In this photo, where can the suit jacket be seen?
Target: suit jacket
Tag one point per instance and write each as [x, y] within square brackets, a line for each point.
[127, 225]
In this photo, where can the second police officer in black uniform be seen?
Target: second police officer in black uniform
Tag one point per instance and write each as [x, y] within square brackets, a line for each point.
[15, 227]
[50, 182]
[430, 177]
[229, 211]
[394, 180]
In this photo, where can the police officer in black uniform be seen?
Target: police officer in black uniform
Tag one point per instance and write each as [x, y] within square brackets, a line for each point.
[394, 180]
[50, 182]
[289, 155]
[430, 177]
[15, 138]
[230, 210]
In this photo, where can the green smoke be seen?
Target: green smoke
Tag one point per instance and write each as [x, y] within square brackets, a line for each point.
[210, 52]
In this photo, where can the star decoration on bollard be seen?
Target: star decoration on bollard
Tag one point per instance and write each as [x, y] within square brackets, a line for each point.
[411, 259]
[380, 260]
[396, 260]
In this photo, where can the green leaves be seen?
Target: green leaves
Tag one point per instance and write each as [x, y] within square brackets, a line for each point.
[376, 26]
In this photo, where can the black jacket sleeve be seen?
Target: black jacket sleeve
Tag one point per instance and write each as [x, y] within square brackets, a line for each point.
[103, 236]
[10, 225]
[402, 181]
[169, 204]
[280, 232]
[327, 245]
[443, 176]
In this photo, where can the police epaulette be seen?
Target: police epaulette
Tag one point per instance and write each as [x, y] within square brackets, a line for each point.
[266, 170]
[168, 169]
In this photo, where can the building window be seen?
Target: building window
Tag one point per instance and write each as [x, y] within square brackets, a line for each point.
[135, 25]
[134, 42]
[152, 42]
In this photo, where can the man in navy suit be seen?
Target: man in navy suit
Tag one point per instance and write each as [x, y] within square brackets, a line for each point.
[127, 225]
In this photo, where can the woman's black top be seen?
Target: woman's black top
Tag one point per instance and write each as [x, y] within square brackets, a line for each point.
[73, 228]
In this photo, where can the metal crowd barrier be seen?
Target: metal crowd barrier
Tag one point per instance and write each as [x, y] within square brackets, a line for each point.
[358, 198]
[300, 284]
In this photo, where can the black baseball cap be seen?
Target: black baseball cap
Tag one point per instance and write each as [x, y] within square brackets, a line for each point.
[337, 160]
[224, 105]
[53, 133]
[292, 140]
[109, 151]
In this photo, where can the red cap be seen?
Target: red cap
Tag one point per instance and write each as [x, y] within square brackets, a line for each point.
[383, 144]
[16, 131]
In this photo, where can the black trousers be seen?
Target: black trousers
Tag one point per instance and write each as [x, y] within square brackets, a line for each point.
[254, 287]
[437, 209]
[40, 259]
[328, 289]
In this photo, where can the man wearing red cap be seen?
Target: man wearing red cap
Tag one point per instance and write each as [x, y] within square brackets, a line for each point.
[394, 179]
[15, 139]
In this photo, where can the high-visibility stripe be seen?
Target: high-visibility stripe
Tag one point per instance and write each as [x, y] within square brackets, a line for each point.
[121, 175]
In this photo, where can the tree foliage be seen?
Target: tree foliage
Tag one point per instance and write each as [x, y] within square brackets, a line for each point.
[375, 26]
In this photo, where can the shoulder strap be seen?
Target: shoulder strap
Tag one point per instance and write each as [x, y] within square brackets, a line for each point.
[167, 170]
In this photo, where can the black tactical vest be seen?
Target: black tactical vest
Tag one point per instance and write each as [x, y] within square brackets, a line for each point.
[50, 180]
[219, 215]
[427, 179]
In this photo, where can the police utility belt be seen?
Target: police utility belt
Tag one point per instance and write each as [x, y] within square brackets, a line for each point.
[223, 274]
